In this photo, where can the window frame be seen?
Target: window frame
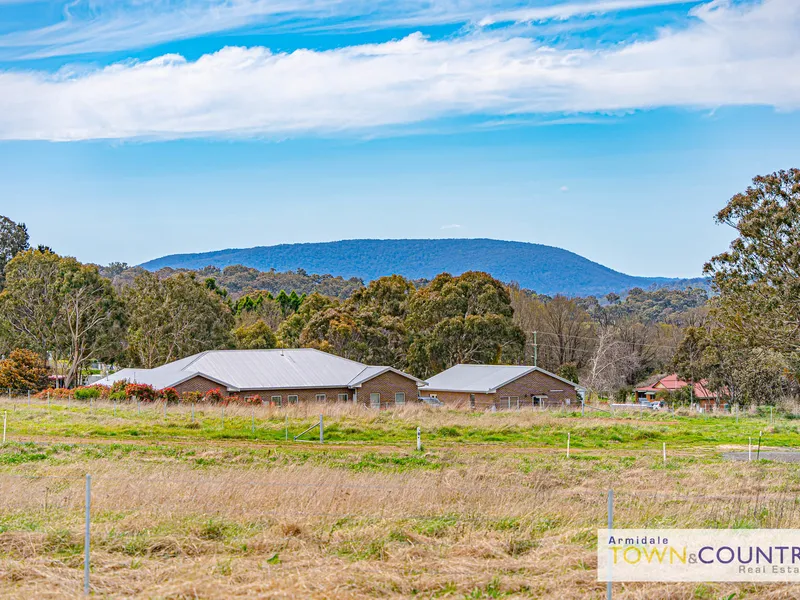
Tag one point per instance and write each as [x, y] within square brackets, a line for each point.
[321, 397]
[372, 399]
[295, 401]
[277, 400]
[402, 402]
[343, 397]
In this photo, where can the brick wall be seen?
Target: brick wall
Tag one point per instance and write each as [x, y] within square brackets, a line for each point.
[199, 384]
[537, 384]
[387, 385]
[303, 395]
[523, 390]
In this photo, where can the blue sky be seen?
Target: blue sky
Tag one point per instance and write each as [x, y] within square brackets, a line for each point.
[613, 128]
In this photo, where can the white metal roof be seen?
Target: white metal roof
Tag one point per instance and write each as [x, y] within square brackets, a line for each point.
[482, 379]
[257, 370]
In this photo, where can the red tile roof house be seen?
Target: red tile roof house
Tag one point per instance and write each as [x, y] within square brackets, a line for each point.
[280, 377]
[704, 397]
[481, 387]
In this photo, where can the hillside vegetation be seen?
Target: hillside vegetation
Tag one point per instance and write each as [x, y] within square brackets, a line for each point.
[546, 269]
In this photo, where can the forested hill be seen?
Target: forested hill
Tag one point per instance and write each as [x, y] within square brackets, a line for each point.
[545, 269]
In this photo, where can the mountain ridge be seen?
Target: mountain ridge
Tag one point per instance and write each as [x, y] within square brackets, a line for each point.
[545, 269]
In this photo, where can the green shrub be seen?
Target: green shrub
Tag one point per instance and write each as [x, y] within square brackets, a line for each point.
[86, 393]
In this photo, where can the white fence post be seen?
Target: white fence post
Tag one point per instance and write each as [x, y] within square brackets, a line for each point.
[87, 536]
[664, 449]
[419, 440]
[610, 527]
[321, 431]
[4, 427]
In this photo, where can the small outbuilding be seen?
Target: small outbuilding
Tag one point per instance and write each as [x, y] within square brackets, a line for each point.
[481, 387]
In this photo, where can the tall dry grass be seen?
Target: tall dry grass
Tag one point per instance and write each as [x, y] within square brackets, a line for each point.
[483, 525]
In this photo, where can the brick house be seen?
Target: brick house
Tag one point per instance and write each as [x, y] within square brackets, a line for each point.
[702, 395]
[481, 387]
[280, 377]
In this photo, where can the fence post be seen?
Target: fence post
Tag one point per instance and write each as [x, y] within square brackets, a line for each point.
[29, 398]
[664, 449]
[138, 406]
[115, 407]
[758, 452]
[287, 426]
[4, 427]
[569, 436]
[610, 526]
[583, 406]
[192, 412]
[321, 431]
[419, 440]
[87, 537]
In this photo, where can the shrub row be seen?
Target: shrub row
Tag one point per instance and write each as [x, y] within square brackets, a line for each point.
[121, 390]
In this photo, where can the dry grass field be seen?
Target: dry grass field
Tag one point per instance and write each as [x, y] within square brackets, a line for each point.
[490, 508]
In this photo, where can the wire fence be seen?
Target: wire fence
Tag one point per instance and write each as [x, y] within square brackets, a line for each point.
[111, 514]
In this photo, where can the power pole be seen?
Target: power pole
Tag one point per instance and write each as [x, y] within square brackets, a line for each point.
[535, 350]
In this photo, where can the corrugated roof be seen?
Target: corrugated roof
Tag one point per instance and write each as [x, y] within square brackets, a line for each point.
[481, 378]
[257, 369]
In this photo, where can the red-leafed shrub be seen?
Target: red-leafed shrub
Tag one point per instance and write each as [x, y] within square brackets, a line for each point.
[142, 391]
[255, 399]
[169, 394]
[215, 396]
[55, 393]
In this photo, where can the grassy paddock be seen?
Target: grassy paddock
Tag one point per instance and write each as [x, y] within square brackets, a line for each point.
[491, 508]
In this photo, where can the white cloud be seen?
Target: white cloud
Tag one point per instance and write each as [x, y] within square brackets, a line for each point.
[563, 188]
[90, 26]
[453, 226]
[568, 11]
[731, 55]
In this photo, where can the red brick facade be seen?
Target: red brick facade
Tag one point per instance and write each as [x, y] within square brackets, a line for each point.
[387, 385]
[534, 389]
[199, 384]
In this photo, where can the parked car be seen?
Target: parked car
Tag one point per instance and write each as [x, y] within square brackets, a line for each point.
[431, 401]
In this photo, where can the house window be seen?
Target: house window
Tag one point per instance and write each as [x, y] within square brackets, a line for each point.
[505, 402]
[472, 401]
[343, 397]
[375, 400]
[277, 401]
[514, 402]
[539, 401]
[321, 397]
[292, 399]
[400, 398]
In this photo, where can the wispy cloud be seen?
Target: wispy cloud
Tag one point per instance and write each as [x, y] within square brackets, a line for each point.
[90, 26]
[732, 54]
[563, 188]
[569, 10]
[453, 226]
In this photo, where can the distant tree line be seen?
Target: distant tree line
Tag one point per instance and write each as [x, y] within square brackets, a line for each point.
[73, 315]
